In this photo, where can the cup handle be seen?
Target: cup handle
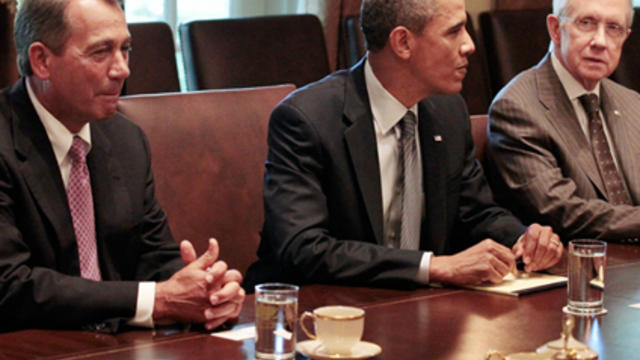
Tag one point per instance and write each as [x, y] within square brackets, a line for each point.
[305, 315]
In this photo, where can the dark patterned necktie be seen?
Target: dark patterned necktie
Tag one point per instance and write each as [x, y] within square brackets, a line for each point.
[613, 182]
[81, 205]
[409, 178]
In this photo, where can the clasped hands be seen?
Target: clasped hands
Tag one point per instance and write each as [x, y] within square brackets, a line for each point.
[204, 291]
[488, 261]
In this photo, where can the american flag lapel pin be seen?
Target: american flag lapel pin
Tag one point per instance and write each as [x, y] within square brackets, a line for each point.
[437, 138]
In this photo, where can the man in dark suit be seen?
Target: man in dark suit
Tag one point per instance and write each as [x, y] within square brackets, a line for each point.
[543, 152]
[84, 243]
[337, 209]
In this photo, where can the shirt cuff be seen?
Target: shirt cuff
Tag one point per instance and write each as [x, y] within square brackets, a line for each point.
[144, 305]
[423, 271]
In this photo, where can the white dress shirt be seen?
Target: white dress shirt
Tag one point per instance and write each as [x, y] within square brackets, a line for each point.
[387, 111]
[61, 139]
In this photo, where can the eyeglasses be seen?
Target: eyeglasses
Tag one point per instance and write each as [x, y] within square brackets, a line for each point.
[590, 25]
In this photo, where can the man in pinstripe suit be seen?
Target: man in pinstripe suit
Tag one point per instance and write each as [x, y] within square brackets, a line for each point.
[546, 155]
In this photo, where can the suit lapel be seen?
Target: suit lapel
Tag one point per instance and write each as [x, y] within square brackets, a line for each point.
[434, 160]
[624, 130]
[111, 200]
[361, 144]
[42, 174]
[561, 115]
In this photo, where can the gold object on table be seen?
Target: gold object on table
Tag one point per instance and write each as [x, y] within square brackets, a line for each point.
[565, 348]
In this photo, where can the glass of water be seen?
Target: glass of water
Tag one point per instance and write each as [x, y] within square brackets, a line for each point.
[586, 277]
[276, 316]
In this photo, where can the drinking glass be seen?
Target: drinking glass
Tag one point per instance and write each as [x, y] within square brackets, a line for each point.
[586, 277]
[276, 316]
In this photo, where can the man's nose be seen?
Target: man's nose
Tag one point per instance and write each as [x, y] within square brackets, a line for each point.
[120, 67]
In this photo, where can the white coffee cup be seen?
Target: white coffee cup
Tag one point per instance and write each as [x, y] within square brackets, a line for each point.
[338, 328]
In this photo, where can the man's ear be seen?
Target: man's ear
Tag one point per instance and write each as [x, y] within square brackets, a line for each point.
[40, 59]
[401, 42]
[553, 27]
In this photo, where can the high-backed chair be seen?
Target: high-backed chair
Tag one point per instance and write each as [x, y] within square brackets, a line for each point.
[208, 151]
[476, 89]
[152, 60]
[8, 67]
[628, 72]
[479, 133]
[253, 51]
[514, 40]
[352, 40]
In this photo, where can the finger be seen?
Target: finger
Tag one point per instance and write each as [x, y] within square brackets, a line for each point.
[555, 252]
[543, 246]
[210, 256]
[518, 249]
[215, 274]
[499, 270]
[228, 292]
[238, 301]
[233, 275]
[211, 325]
[239, 298]
[504, 256]
[217, 315]
[529, 243]
[187, 252]
[559, 250]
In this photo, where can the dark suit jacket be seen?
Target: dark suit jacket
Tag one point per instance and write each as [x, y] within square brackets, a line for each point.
[40, 284]
[323, 202]
[541, 162]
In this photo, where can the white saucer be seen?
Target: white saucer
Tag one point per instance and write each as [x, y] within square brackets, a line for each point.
[315, 350]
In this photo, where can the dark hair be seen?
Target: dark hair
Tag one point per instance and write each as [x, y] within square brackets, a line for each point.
[379, 17]
[43, 21]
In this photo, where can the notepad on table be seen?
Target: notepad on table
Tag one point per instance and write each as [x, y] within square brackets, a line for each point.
[523, 283]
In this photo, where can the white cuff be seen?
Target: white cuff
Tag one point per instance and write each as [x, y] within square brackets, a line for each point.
[144, 305]
[423, 271]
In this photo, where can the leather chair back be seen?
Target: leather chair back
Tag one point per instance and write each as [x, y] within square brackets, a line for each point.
[479, 132]
[255, 51]
[514, 40]
[476, 90]
[208, 152]
[352, 40]
[628, 71]
[152, 60]
[8, 66]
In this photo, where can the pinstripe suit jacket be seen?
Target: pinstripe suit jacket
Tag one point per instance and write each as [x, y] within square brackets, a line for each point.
[540, 161]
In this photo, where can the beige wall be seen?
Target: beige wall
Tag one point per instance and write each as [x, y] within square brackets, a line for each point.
[475, 7]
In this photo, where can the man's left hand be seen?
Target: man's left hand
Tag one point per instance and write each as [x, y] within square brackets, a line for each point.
[539, 248]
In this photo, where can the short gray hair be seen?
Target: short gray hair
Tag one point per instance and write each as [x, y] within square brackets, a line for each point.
[565, 7]
[44, 21]
[379, 17]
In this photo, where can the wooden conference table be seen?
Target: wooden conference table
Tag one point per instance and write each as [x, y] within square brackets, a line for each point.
[445, 323]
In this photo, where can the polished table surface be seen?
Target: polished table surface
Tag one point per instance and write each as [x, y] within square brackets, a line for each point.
[430, 323]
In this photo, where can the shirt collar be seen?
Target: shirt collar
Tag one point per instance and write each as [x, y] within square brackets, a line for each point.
[59, 136]
[385, 108]
[572, 87]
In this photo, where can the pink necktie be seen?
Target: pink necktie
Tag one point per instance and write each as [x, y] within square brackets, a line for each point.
[81, 206]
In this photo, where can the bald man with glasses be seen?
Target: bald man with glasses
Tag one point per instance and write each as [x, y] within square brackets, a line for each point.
[563, 138]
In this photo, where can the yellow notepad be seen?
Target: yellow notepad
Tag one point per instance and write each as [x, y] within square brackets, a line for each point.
[523, 283]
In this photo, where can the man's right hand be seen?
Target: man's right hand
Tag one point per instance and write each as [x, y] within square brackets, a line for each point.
[204, 291]
[485, 262]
